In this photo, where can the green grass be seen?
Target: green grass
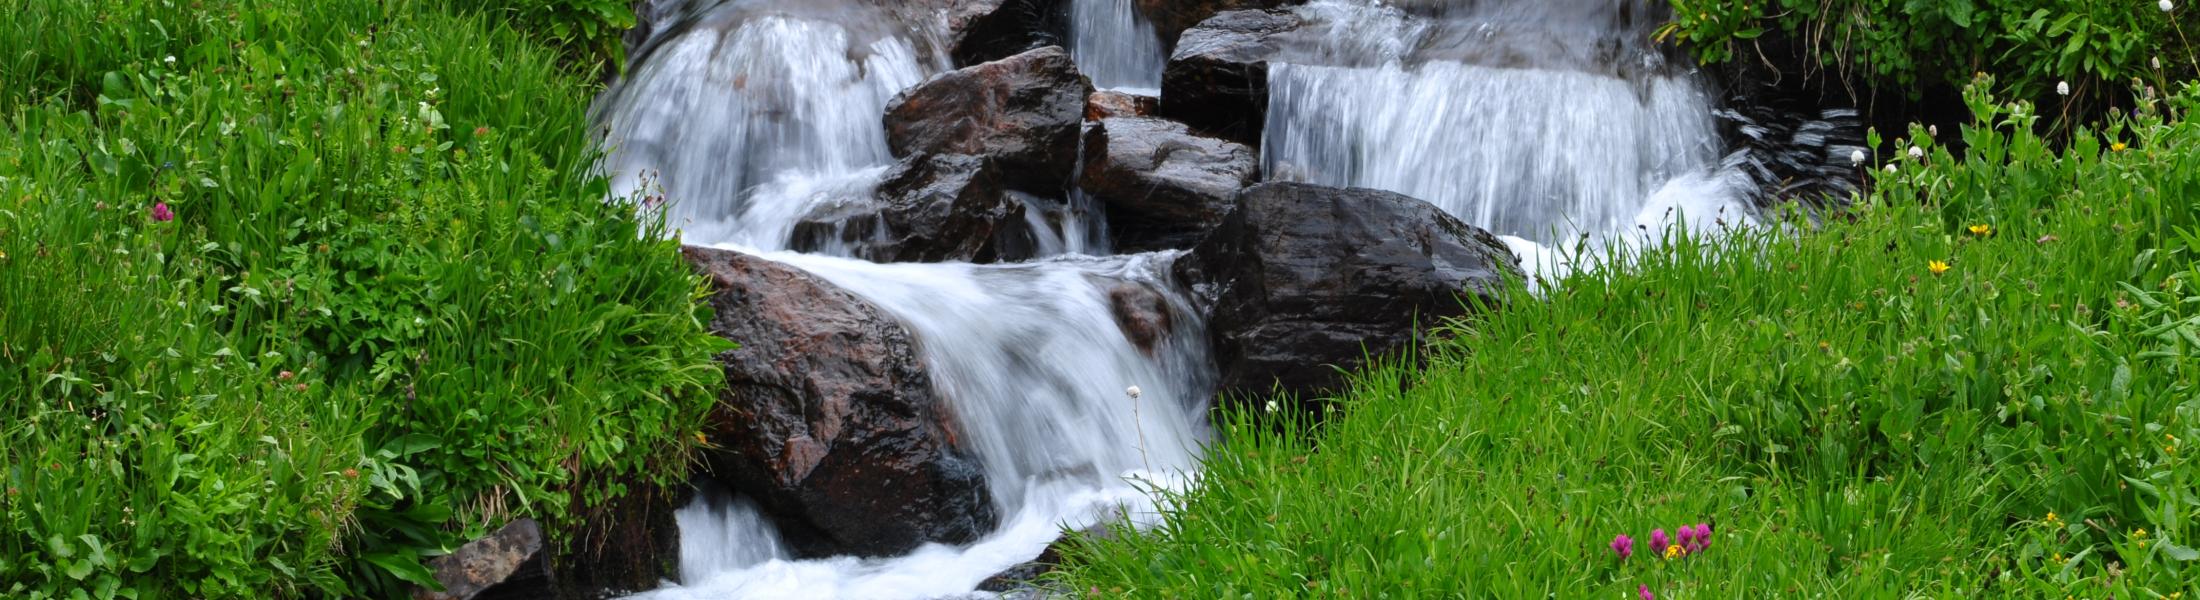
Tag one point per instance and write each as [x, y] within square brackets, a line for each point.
[391, 312]
[1855, 425]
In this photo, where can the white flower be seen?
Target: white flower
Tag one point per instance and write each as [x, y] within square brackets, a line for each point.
[170, 60]
[1890, 168]
[1134, 392]
[2166, 6]
[1271, 406]
[1916, 152]
[1933, 130]
[2062, 88]
[1856, 157]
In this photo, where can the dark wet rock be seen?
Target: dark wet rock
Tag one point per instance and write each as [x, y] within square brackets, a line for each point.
[1025, 577]
[1163, 186]
[1023, 112]
[1108, 104]
[508, 564]
[627, 545]
[1303, 277]
[1143, 314]
[935, 208]
[829, 419]
[982, 31]
[1171, 18]
[1217, 80]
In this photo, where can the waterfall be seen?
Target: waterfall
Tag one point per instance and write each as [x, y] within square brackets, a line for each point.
[1544, 122]
[1116, 46]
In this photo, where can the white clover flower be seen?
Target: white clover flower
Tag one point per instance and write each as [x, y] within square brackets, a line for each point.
[1890, 169]
[2166, 6]
[1271, 406]
[170, 60]
[2062, 88]
[1856, 157]
[1916, 152]
[1134, 392]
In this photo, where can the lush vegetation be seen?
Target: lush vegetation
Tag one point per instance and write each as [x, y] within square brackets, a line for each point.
[2097, 46]
[1983, 382]
[295, 293]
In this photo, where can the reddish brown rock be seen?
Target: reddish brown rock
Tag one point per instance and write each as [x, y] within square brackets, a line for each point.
[1023, 113]
[1163, 186]
[1109, 104]
[1217, 80]
[930, 208]
[829, 419]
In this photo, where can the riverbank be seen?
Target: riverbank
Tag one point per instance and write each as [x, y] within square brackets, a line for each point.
[300, 293]
[1978, 382]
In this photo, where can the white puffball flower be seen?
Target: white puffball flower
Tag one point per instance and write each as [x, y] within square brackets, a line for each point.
[2062, 88]
[1933, 130]
[170, 60]
[2166, 6]
[1856, 158]
[1271, 406]
[1134, 392]
[1890, 169]
[1916, 152]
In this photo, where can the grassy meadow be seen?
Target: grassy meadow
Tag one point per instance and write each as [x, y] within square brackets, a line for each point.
[297, 293]
[1981, 382]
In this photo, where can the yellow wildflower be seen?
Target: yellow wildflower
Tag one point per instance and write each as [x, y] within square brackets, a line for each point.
[1982, 230]
[1674, 551]
[2118, 147]
[2058, 558]
[2142, 532]
[1937, 267]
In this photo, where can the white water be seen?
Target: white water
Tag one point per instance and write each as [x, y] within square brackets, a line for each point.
[1510, 116]
[1116, 46]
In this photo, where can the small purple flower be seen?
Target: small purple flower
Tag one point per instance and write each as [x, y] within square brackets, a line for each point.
[1703, 535]
[1644, 592]
[162, 214]
[1623, 546]
[1658, 539]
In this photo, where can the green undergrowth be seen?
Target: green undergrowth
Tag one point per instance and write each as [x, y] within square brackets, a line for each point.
[297, 293]
[1852, 423]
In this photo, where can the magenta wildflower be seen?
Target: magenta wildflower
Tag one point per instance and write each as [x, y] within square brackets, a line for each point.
[1658, 539]
[1687, 535]
[161, 213]
[1703, 535]
[1644, 591]
[1623, 546]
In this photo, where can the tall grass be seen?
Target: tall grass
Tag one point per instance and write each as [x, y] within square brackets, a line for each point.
[391, 311]
[1852, 423]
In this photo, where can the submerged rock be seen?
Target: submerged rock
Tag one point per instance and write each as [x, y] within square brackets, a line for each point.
[1164, 187]
[829, 419]
[930, 208]
[1304, 277]
[1023, 112]
[1217, 80]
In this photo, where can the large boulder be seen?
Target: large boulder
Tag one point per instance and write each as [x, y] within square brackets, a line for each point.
[1023, 112]
[980, 31]
[829, 419]
[510, 563]
[1163, 186]
[1171, 18]
[1217, 80]
[1302, 278]
[930, 208]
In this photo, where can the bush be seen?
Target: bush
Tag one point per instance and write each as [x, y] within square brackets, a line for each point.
[391, 308]
[1985, 381]
[2098, 46]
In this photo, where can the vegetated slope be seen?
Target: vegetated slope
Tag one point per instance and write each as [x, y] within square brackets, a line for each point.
[1980, 382]
[293, 293]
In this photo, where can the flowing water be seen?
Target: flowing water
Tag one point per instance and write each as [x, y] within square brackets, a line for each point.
[1552, 122]
[1116, 46]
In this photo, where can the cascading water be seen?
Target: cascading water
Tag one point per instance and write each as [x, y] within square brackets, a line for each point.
[756, 114]
[1116, 46]
[1549, 121]
[1544, 122]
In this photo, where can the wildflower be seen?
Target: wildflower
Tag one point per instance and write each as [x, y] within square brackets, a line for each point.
[1658, 539]
[2058, 558]
[1937, 267]
[1674, 551]
[1134, 392]
[701, 439]
[1982, 230]
[1932, 131]
[481, 131]
[1271, 406]
[161, 213]
[1890, 168]
[2062, 88]
[1917, 153]
[1856, 158]
[351, 473]
[1703, 536]
[285, 375]
[3, 255]
[1623, 546]
[170, 60]
[2166, 6]
[2051, 520]
[1643, 591]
